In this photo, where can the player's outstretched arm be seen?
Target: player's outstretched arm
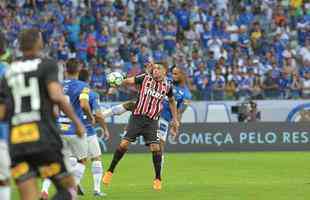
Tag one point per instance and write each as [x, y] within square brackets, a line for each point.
[175, 122]
[55, 92]
[100, 119]
[129, 81]
[125, 82]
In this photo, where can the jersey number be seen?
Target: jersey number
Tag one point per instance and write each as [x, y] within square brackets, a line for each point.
[22, 91]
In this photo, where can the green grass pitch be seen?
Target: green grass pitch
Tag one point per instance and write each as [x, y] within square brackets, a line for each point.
[210, 176]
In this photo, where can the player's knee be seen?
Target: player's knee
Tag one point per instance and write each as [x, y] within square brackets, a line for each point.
[65, 182]
[155, 147]
[124, 144]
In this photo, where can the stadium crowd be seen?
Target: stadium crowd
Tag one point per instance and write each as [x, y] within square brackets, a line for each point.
[230, 49]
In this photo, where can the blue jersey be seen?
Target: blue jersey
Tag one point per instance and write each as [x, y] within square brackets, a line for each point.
[74, 90]
[180, 94]
[94, 106]
[4, 127]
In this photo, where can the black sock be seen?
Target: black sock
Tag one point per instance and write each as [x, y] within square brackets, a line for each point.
[119, 153]
[157, 156]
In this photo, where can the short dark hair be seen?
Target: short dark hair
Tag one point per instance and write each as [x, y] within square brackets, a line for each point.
[2, 42]
[84, 75]
[72, 66]
[164, 65]
[28, 39]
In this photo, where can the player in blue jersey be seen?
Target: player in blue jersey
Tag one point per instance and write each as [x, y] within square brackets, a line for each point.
[77, 93]
[5, 160]
[94, 151]
[182, 96]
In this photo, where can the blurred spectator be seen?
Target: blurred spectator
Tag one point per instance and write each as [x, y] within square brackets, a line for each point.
[223, 45]
[256, 89]
[306, 86]
[230, 90]
[218, 87]
[98, 81]
[295, 87]
[270, 86]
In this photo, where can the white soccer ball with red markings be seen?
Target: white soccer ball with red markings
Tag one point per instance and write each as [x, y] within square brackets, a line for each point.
[115, 79]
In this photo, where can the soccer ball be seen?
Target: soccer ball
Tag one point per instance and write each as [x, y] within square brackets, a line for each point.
[115, 79]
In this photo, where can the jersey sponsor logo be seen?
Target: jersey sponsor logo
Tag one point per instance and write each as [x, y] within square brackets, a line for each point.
[25, 133]
[153, 93]
[151, 96]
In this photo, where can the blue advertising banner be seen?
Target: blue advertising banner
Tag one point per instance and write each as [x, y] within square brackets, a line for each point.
[211, 137]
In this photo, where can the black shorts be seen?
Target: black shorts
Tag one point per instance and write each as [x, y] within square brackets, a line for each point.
[142, 125]
[46, 164]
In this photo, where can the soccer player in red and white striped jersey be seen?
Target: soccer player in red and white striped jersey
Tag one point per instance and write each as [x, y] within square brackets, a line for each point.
[154, 87]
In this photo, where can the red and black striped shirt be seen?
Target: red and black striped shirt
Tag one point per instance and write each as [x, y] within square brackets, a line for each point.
[151, 96]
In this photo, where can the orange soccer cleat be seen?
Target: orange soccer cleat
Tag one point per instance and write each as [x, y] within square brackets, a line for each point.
[107, 178]
[157, 184]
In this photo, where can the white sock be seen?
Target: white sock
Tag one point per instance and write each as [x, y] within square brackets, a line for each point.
[5, 193]
[73, 161]
[78, 172]
[115, 110]
[97, 171]
[46, 185]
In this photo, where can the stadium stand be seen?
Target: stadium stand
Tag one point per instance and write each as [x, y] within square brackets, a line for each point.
[230, 49]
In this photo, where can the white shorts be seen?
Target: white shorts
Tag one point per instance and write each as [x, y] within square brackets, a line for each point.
[93, 147]
[163, 128]
[5, 161]
[75, 146]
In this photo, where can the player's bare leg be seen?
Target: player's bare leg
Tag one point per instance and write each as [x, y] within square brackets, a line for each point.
[97, 171]
[66, 188]
[118, 155]
[157, 158]
[28, 189]
[119, 109]
[162, 148]
[47, 182]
